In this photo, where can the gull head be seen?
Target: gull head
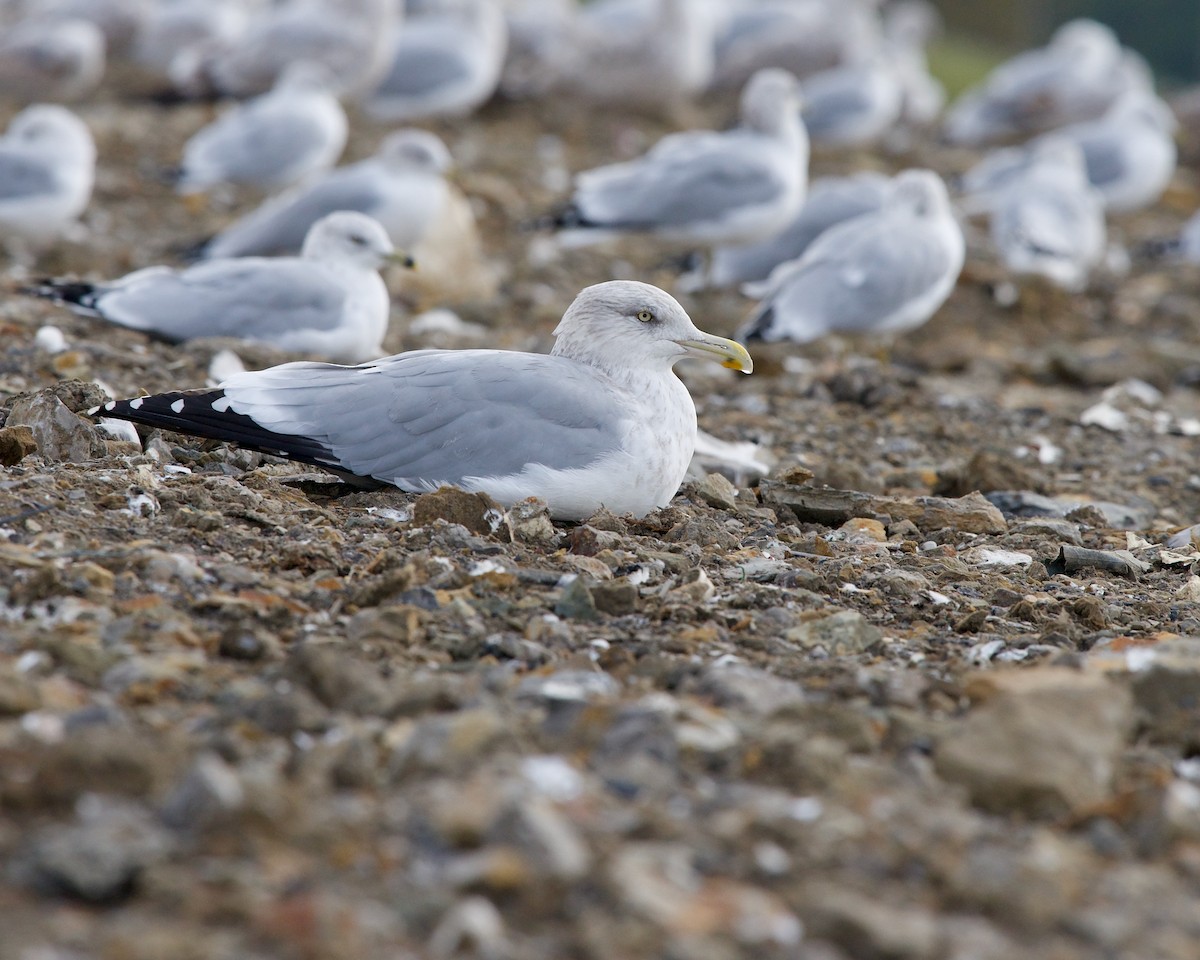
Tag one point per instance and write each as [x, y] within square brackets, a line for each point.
[1086, 39]
[352, 238]
[416, 151]
[623, 325]
[921, 192]
[770, 100]
[53, 129]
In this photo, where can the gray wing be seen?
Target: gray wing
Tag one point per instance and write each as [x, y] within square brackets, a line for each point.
[1105, 158]
[435, 416]
[253, 299]
[859, 274]
[22, 176]
[255, 146]
[419, 69]
[280, 225]
[680, 187]
[830, 202]
[832, 101]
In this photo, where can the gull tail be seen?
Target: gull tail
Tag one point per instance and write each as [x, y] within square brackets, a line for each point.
[193, 252]
[567, 217]
[78, 295]
[757, 327]
[206, 413]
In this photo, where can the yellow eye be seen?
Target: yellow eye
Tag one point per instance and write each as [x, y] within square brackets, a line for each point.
[645, 316]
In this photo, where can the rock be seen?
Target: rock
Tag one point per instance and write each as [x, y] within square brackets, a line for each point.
[1135, 515]
[995, 557]
[60, 435]
[615, 597]
[866, 927]
[478, 512]
[472, 927]
[1041, 742]
[845, 632]
[987, 470]
[339, 681]
[737, 686]
[1166, 691]
[831, 506]
[715, 490]
[209, 791]
[529, 521]
[575, 602]
[864, 528]
[99, 859]
[18, 695]
[16, 443]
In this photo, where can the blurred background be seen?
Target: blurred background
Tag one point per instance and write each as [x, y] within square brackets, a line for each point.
[1165, 32]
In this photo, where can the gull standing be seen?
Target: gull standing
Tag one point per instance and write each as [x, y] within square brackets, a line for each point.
[705, 187]
[47, 168]
[602, 421]
[402, 186]
[48, 59]
[330, 300]
[885, 272]
[443, 64]
[296, 130]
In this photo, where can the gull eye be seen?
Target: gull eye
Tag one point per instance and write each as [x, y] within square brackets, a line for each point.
[358, 240]
[645, 316]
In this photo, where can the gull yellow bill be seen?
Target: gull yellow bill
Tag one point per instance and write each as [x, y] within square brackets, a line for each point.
[730, 353]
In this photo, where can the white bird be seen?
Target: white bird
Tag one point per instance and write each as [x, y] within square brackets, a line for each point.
[330, 300]
[47, 168]
[443, 64]
[738, 186]
[1077, 76]
[287, 135]
[852, 105]
[177, 25]
[830, 201]
[402, 186]
[1049, 220]
[640, 55]
[602, 421]
[48, 59]
[536, 30]
[118, 20]
[353, 38]
[879, 273]
[801, 36]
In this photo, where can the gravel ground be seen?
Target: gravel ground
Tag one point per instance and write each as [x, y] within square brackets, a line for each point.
[929, 690]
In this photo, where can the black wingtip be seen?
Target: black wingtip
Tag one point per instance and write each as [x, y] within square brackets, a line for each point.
[567, 217]
[75, 292]
[757, 326]
[192, 252]
[206, 413]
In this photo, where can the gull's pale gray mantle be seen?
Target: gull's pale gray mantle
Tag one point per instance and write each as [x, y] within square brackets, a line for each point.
[329, 301]
[882, 272]
[602, 421]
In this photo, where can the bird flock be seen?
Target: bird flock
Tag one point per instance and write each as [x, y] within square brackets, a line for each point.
[1062, 139]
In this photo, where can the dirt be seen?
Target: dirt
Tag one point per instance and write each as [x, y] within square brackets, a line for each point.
[867, 708]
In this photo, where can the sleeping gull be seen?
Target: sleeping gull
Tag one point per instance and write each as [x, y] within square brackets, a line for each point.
[47, 59]
[118, 20]
[47, 167]
[330, 300]
[855, 104]
[174, 26]
[401, 186]
[1077, 76]
[443, 64]
[286, 135]
[704, 187]
[353, 38]
[830, 200]
[602, 421]
[636, 54]
[883, 272]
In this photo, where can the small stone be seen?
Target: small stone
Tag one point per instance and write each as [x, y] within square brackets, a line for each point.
[716, 491]
[615, 597]
[16, 443]
[864, 926]
[864, 528]
[478, 512]
[576, 602]
[209, 791]
[18, 695]
[530, 522]
[60, 435]
[1044, 742]
[339, 681]
[842, 633]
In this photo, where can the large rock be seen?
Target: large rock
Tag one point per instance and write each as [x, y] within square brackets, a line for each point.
[59, 433]
[1042, 742]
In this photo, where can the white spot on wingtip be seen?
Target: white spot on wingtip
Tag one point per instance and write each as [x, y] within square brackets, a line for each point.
[135, 404]
[177, 406]
[111, 405]
[221, 404]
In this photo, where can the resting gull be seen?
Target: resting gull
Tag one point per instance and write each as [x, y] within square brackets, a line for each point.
[47, 167]
[329, 301]
[883, 272]
[295, 130]
[699, 186]
[602, 421]
[401, 186]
